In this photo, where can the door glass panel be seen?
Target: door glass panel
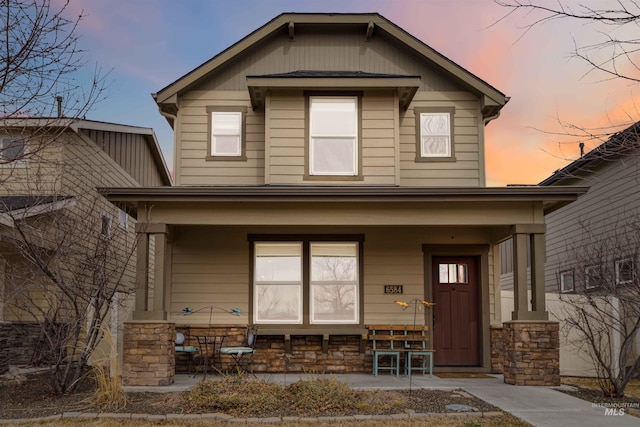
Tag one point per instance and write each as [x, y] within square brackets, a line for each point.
[453, 273]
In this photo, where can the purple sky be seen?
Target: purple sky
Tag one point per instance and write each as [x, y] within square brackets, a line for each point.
[148, 44]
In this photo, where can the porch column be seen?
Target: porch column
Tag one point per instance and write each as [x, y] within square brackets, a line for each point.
[531, 347]
[521, 235]
[158, 309]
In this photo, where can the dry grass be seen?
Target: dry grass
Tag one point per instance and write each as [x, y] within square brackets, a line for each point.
[502, 421]
[109, 394]
[632, 389]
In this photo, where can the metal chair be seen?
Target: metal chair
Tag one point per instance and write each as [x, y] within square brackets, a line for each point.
[242, 355]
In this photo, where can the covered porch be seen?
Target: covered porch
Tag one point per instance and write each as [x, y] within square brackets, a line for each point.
[206, 245]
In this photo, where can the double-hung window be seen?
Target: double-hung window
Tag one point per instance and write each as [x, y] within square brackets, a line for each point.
[333, 135]
[226, 133]
[306, 282]
[434, 131]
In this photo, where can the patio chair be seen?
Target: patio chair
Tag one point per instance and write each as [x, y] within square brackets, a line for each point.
[243, 355]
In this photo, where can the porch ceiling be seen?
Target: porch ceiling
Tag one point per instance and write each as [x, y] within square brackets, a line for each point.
[382, 205]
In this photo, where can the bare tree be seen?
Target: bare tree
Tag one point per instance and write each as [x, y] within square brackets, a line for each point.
[601, 295]
[40, 61]
[68, 268]
[615, 55]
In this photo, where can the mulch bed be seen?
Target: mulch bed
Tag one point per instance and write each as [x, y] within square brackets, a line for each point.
[35, 398]
[595, 396]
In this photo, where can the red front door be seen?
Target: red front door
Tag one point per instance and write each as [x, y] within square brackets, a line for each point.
[456, 325]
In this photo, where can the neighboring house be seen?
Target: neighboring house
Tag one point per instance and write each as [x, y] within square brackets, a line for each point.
[51, 167]
[327, 165]
[593, 244]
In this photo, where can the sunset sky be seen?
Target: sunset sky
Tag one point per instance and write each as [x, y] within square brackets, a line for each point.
[148, 44]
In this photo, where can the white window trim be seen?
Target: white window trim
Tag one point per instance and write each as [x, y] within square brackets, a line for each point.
[123, 219]
[563, 286]
[618, 265]
[353, 136]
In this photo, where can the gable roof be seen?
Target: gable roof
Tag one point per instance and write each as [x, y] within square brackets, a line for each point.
[492, 99]
[77, 124]
[619, 144]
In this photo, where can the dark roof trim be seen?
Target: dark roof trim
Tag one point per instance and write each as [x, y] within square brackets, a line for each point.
[492, 98]
[551, 197]
[406, 86]
[620, 143]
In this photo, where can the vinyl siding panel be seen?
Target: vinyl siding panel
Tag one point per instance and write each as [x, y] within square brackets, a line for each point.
[192, 165]
[212, 264]
[610, 205]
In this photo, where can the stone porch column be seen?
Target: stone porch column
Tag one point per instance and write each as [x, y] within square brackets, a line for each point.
[148, 347]
[532, 342]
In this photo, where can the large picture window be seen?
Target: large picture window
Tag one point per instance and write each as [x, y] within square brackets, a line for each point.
[333, 135]
[306, 282]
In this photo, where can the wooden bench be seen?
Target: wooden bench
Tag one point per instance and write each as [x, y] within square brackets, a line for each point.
[394, 340]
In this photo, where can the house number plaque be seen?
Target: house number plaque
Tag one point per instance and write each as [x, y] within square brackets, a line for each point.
[393, 289]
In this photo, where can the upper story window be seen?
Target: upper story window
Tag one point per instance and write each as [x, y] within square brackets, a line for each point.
[333, 135]
[226, 133]
[434, 133]
[12, 149]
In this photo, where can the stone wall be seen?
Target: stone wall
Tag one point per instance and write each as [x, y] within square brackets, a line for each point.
[532, 354]
[498, 348]
[342, 356]
[149, 353]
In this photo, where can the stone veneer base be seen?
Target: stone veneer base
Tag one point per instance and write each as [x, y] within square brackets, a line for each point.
[532, 353]
[148, 354]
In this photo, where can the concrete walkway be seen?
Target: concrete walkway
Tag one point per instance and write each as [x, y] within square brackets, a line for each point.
[539, 406]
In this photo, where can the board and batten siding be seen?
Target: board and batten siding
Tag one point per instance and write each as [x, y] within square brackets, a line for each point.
[192, 166]
[131, 151]
[327, 50]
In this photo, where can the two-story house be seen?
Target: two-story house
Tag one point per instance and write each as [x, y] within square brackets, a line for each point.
[49, 171]
[327, 165]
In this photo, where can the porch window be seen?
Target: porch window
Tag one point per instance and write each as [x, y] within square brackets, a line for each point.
[334, 282]
[278, 283]
[306, 282]
[434, 132]
[333, 135]
[226, 133]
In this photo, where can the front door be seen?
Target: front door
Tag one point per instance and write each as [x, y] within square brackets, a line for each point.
[456, 324]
